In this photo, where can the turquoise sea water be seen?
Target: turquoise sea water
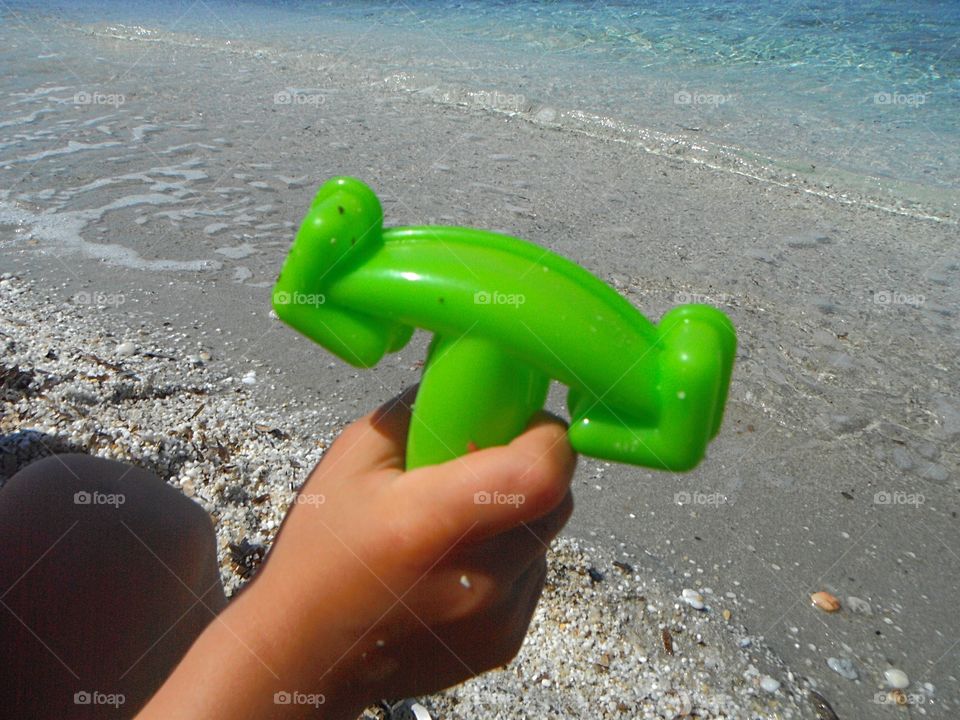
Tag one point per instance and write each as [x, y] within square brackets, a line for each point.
[858, 95]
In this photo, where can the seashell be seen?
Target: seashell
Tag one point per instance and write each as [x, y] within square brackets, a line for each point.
[125, 349]
[693, 598]
[825, 601]
[897, 679]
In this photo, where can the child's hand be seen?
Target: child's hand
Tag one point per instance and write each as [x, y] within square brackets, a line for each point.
[383, 583]
[435, 573]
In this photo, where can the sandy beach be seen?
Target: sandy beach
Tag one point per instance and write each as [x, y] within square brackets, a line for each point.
[140, 239]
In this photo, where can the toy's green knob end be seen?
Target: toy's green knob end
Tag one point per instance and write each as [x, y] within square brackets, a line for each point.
[354, 195]
[343, 227]
[695, 354]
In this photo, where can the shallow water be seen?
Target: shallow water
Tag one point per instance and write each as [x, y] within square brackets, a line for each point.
[850, 99]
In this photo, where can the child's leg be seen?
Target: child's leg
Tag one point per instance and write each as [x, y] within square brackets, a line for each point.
[107, 575]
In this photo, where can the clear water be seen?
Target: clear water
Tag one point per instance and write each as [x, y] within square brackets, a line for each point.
[856, 96]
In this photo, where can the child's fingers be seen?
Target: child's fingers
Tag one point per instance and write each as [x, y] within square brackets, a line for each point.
[496, 489]
[376, 441]
[534, 537]
[511, 552]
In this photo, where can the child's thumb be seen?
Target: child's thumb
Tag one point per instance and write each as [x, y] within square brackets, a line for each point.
[488, 491]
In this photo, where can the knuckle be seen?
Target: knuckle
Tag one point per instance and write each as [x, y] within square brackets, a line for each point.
[481, 600]
[544, 480]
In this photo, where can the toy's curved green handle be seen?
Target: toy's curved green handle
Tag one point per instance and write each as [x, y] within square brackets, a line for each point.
[508, 316]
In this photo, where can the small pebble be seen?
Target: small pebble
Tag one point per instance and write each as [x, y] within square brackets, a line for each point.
[825, 601]
[250, 378]
[727, 614]
[693, 598]
[843, 667]
[125, 349]
[769, 684]
[896, 679]
[820, 704]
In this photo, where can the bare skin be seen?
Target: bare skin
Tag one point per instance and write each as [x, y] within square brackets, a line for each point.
[384, 583]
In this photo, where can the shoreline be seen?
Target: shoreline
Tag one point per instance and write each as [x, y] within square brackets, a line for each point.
[683, 144]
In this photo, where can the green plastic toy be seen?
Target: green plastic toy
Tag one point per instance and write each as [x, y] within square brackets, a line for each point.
[507, 316]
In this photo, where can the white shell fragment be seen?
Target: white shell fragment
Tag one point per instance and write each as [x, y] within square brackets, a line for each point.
[843, 667]
[693, 598]
[769, 684]
[897, 679]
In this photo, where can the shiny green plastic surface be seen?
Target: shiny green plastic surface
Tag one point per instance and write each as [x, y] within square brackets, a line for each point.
[508, 317]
